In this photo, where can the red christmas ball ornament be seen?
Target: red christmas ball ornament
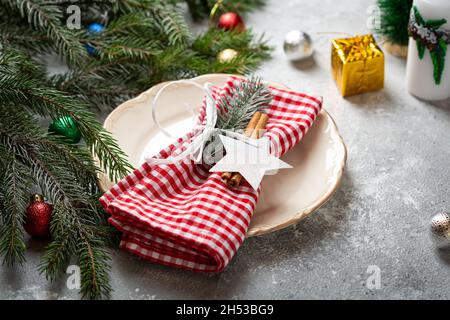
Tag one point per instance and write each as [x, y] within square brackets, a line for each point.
[38, 217]
[231, 21]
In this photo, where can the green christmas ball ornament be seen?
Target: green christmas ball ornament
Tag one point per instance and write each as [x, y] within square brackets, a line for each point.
[65, 126]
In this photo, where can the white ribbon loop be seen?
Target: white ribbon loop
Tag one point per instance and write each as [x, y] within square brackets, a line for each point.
[196, 147]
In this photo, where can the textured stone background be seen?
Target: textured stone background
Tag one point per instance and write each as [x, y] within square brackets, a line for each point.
[397, 177]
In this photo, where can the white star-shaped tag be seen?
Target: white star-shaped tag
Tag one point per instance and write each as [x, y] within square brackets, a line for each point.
[252, 160]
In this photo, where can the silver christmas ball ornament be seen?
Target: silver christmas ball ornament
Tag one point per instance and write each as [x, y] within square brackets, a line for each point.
[298, 45]
[440, 229]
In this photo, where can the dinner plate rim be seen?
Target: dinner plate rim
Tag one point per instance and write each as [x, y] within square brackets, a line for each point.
[105, 183]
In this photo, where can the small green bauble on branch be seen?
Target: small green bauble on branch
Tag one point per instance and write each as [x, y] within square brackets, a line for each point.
[65, 126]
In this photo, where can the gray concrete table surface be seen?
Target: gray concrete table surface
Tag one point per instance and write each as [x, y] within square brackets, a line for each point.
[397, 177]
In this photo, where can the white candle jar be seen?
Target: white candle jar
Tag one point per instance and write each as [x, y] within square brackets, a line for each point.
[428, 66]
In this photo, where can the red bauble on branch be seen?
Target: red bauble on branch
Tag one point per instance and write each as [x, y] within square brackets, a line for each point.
[38, 217]
[231, 21]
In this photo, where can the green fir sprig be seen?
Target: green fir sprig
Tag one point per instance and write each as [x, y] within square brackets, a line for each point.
[237, 108]
[394, 20]
[144, 42]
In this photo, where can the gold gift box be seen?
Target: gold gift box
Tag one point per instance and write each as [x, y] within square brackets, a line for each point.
[357, 64]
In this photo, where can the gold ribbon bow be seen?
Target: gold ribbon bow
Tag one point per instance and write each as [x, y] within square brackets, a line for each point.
[358, 48]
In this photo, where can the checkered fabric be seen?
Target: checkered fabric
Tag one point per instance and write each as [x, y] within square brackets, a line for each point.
[183, 216]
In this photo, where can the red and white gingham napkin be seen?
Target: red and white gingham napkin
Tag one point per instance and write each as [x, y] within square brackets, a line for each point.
[180, 214]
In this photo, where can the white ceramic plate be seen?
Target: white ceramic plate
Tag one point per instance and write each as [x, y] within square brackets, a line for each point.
[318, 160]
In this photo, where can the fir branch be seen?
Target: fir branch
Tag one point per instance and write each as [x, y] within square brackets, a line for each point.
[131, 6]
[47, 19]
[31, 139]
[16, 186]
[80, 237]
[76, 159]
[133, 22]
[251, 52]
[394, 20]
[115, 76]
[145, 42]
[201, 9]
[58, 252]
[127, 47]
[71, 227]
[94, 264]
[171, 24]
[65, 173]
[49, 102]
[12, 35]
[198, 9]
[242, 7]
[237, 108]
[54, 180]
[12, 62]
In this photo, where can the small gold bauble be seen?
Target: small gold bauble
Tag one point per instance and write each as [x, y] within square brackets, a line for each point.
[227, 55]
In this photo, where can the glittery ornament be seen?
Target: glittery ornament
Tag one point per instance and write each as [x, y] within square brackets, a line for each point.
[298, 45]
[65, 126]
[38, 217]
[440, 229]
[231, 21]
[227, 55]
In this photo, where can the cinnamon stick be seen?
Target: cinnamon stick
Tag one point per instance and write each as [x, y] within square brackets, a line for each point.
[252, 124]
[226, 176]
[236, 178]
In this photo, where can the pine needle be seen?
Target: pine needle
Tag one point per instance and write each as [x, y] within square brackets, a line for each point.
[237, 108]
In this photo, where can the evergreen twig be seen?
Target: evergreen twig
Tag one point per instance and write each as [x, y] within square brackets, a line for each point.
[144, 42]
[237, 108]
[394, 20]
